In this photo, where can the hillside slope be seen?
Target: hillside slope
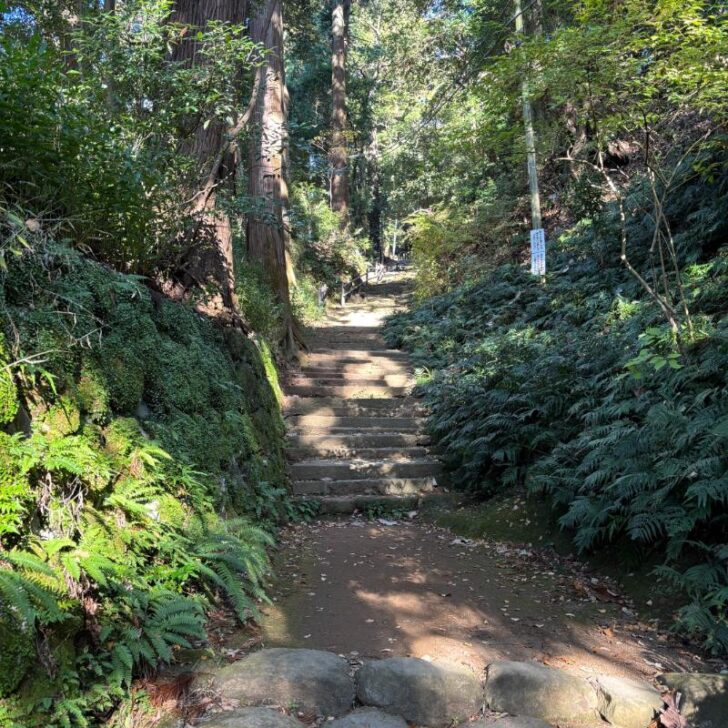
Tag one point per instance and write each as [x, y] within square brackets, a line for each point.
[136, 440]
[578, 389]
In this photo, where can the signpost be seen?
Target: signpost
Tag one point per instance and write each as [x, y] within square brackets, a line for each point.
[538, 239]
[538, 252]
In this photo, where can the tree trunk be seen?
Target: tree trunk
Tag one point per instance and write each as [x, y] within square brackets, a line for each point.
[209, 260]
[338, 155]
[530, 135]
[375, 211]
[266, 234]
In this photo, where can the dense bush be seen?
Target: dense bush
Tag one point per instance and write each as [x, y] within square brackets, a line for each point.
[324, 252]
[95, 139]
[129, 423]
[458, 242]
[576, 388]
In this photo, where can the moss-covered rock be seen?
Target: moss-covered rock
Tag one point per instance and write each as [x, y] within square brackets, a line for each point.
[147, 420]
[212, 394]
[17, 654]
[8, 397]
[60, 419]
[8, 393]
[92, 395]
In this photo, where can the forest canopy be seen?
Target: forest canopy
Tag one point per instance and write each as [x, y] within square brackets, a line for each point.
[181, 181]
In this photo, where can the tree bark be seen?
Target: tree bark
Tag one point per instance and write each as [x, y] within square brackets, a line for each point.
[209, 259]
[266, 232]
[530, 135]
[375, 211]
[338, 154]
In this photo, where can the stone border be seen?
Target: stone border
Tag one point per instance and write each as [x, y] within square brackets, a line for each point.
[438, 695]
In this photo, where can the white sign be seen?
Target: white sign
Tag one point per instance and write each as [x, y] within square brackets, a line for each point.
[538, 252]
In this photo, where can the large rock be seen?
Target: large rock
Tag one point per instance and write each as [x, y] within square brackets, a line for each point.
[511, 722]
[421, 692]
[310, 680]
[627, 703]
[368, 718]
[705, 697]
[251, 718]
[529, 689]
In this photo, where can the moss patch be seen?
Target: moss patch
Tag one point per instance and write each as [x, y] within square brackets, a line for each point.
[210, 396]
[8, 393]
[16, 656]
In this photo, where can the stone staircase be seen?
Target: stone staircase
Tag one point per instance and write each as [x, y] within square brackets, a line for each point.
[356, 435]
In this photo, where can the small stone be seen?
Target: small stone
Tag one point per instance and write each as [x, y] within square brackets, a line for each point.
[368, 718]
[422, 692]
[627, 703]
[309, 680]
[251, 718]
[527, 688]
[705, 697]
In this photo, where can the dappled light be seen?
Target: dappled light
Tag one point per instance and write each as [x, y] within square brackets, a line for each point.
[415, 590]
[363, 361]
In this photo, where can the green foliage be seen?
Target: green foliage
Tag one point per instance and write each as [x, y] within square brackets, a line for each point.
[91, 136]
[145, 422]
[444, 249]
[257, 300]
[576, 388]
[323, 250]
[373, 511]
[8, 393]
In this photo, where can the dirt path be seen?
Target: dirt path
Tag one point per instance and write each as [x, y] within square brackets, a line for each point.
[373, 589]
[369, 590]
[397, 586]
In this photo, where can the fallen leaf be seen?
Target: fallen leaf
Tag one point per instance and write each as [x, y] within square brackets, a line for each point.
[670, 716]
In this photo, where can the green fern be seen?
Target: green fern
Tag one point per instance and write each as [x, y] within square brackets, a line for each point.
[543, 392]
[30, 589]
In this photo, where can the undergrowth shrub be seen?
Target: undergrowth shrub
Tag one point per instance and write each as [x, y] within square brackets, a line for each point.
[130, 423]
[457, 242]
[322, 250]
[576, 389]
[91, 133]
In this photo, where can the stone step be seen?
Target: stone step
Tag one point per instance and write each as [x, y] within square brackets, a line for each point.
[363, 369]
[362, 469]
[350, 345]
[365, 486]
[297, 454]
[324, 337]
[313, 363]
[343, 329]
[345, 504]
[337, 406]
[388, 380]
[354, 356]
[385, 432]
[355, 439]
[326, 423]
[348, 390]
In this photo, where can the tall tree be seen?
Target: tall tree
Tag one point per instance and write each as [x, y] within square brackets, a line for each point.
[266, 231]
[339, 161]
[209, 245]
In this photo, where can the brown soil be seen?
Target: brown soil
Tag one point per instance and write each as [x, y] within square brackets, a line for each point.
[368, 590]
